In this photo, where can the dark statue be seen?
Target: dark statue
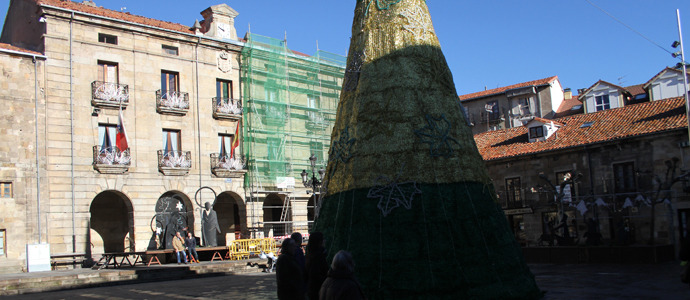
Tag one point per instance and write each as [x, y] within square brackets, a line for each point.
[210, 226]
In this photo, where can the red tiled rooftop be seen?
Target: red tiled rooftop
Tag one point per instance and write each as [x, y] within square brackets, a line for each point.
[566, 107]
[608, 125]
[14, 48]
[505, 88]
[104, 12]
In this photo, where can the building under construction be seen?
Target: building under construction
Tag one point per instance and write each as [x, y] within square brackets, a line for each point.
[290, 100]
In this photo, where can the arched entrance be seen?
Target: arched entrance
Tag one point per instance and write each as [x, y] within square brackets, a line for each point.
[232, 217]
[112, 220]
[174, 213]
[273, 212]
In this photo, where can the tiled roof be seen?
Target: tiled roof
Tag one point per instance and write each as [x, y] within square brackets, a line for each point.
[14, 48]
[505, 88]
[100, 11]
[636, 89]
[566, 108]
[608, 125]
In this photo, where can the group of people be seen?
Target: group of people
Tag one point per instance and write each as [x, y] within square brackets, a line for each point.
[181, 245]
[309, 277]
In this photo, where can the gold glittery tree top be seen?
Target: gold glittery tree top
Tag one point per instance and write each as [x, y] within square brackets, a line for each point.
[399, 117]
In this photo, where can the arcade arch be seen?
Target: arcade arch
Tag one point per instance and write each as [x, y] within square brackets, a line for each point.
[111, 222]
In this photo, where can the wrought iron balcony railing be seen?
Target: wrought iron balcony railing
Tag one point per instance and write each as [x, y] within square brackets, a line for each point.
[174, 162]
[226, 108]
[110, 156]
[110, 160]
[172, 102]
[224, 162]
[109, 94]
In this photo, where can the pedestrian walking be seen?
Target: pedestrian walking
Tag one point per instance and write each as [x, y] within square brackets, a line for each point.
[341, 283]
[316, 265]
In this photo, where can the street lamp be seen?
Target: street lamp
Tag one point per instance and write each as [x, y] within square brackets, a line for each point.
[312, 182]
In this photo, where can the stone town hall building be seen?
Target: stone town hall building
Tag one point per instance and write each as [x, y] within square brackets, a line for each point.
[68, 70]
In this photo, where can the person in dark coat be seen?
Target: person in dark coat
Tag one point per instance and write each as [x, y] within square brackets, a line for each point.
[289, 275]
[317, 266]
[341, 283]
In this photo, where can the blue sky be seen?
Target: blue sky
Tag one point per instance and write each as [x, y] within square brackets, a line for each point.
[488, 43]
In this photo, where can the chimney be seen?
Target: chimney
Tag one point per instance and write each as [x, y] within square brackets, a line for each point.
[567, 94]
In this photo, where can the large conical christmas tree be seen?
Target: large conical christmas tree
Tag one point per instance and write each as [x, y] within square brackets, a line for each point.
[407, 192]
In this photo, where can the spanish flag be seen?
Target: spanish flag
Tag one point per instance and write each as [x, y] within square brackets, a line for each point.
[235, 141]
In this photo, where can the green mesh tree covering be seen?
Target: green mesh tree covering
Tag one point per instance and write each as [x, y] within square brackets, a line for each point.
[407, 191]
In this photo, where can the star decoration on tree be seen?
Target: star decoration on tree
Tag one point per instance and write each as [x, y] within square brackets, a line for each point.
[436, 134]
[392, 194]
[179, 206]
[418, 24]
[159, 230]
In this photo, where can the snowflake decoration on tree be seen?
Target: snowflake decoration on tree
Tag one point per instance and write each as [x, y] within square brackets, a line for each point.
[159, 230]
[436, 134]
[418, 24]
[341, 149]
[179, 206]
[392, 193]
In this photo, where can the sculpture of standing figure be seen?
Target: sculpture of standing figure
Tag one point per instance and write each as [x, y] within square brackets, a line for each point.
[210, 220]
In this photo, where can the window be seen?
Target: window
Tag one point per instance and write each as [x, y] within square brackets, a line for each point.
[275, 156]
[602, 102]
[313, 103]
[171, 141]
[107, 72]
[536, 132]
[170, 81]
[316, 148]
[586, 124]
[171, 50]
[271, 95]
[107, 38]
[492, 110]
[225, 144]
[560, 178]
[624, 177]
[223, 90]
[3, 242]
[107, 136]
[5, 190]
[524, 106]
[513, 196]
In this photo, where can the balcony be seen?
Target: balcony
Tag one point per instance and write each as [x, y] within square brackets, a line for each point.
[110, 160]
[227, 109]
[316, 121]
[109, 94]
[174, 163]
[172, 102]
[226, 167]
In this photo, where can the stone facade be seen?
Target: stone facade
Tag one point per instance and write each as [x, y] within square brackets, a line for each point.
[85, 200]
[604, 167]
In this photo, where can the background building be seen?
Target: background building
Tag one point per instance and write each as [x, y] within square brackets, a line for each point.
[290, 102]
